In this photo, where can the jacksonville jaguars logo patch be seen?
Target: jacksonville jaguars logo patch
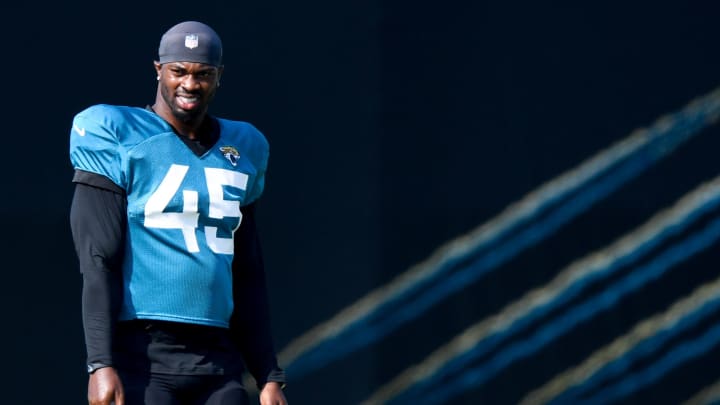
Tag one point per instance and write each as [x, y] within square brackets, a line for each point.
[230, 153]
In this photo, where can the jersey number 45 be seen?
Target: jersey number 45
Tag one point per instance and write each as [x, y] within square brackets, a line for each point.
[187, 220]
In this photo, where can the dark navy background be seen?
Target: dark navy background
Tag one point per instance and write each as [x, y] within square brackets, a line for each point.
[394, 126]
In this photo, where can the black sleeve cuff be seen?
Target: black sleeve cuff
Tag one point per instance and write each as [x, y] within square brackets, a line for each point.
[277, 375]
[93, 367]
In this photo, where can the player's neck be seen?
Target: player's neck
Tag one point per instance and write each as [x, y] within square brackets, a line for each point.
[196, 128]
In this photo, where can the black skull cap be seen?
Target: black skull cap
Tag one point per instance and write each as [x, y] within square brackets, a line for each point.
[191, 41]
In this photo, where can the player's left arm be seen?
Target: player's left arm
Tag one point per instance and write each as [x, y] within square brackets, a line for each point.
[250, 322]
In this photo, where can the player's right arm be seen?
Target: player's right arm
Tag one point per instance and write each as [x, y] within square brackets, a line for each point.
[97, 219]
[98, 224]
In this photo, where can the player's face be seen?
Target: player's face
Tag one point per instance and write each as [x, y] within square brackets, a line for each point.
[187, 88]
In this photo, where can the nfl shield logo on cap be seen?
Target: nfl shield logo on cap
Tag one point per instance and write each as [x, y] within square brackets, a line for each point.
[191, 41]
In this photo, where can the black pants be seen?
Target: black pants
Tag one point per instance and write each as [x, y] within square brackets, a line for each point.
[169, 389]
[168, 363]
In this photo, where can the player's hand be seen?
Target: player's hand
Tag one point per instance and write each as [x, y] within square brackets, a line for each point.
[272, 394]
[105, 388]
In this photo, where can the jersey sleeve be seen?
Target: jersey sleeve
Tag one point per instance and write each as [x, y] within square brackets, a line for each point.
[94, 144]
[261, 152]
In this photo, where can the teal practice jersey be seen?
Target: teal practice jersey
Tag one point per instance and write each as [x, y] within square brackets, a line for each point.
[182, 208]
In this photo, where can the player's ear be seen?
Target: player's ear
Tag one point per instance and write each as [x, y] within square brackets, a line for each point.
[221, 69]
[158, 68]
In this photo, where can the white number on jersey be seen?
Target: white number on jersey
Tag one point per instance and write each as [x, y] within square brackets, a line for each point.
[187, 220]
